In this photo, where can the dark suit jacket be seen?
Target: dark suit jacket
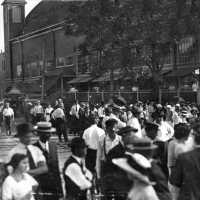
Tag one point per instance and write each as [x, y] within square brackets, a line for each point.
[51, 182]
[186, 175]
[157, 175]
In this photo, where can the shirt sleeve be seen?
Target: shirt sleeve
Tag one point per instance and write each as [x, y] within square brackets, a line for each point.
[7, 193]
[74, 172]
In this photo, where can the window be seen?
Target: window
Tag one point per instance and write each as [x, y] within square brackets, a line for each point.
[60, 62]
[19, 71]
[69, 61]
[83, 64]
[16, 14]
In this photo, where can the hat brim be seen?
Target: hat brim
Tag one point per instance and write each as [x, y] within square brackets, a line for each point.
[122, 163]
[127, 131]
[51, 130]
[152, 147]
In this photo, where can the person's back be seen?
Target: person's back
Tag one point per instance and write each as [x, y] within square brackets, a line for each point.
[186, 175]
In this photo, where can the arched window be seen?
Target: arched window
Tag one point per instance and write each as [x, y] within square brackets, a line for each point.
[16, 14]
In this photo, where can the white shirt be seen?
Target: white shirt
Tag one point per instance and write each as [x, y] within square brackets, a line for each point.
[101, 111]
[75, 110]
[45, 146]
[21, 190]
[109, 144]
[92, 135]
[120, 124]
[8, 112]
[142, 191]
[74, 172]
[38, 109]
[58, 113]
[165, 131]
[36, 153]
[134, 123]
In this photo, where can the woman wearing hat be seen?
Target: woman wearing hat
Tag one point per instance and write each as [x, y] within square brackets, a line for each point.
[137, 167]
[146, 148]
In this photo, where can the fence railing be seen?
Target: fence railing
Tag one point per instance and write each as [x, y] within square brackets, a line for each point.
[143, 95]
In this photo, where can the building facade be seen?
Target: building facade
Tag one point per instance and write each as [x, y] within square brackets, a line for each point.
[41, 59]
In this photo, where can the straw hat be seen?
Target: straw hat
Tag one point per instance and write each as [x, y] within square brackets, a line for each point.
[136, 165]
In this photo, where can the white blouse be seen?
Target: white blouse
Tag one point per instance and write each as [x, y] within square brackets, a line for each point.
[22, 190]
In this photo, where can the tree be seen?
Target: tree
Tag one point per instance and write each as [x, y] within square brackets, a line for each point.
[100, 22]
[128, 32]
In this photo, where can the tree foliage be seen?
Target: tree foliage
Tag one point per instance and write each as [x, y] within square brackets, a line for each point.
[129, 32]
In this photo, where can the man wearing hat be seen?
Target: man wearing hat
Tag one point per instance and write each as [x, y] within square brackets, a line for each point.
[118, 181]
[78, 179]
[50, 182]
[146, 148]
[37, 161]
[118, 107]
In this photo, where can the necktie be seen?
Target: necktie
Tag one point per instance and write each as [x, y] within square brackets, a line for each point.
[30, 158]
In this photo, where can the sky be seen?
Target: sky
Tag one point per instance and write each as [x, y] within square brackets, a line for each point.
[29, 6]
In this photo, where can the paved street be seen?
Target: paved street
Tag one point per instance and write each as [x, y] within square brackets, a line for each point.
[6, 143]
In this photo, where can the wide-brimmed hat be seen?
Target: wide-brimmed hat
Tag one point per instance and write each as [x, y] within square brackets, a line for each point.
[119, 103]
[23, 129]
[141, 144]
[136, 165]
[125, 130]
[44, 127]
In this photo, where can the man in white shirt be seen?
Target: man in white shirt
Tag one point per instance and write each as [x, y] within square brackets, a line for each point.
[78, 179]
[91, 136]
[110, 145]
[37, 162]
[8, 116]
[38, 112]
[59, 116]
[165, 131]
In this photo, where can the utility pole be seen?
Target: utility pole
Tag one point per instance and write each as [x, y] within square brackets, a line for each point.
[43, 70]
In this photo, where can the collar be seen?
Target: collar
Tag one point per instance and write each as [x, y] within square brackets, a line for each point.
[44, 145]
[77, 159]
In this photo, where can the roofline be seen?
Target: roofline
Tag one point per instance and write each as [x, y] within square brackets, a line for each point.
[14, 2]
[37, 32]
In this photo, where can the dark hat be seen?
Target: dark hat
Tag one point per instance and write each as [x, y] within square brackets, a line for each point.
[123, 131]
[23, 129]
[78, 143]
[120, 101]
[149, 126]
[142, 144]
[44, 127]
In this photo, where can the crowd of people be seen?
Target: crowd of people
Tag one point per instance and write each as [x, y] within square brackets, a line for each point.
[141, 151]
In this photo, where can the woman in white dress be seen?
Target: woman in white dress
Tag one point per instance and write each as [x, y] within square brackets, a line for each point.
[19, 185]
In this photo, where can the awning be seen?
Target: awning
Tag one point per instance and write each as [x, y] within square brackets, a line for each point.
[106, 77]
[82, 78]
[180, 72]
[14, 91]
